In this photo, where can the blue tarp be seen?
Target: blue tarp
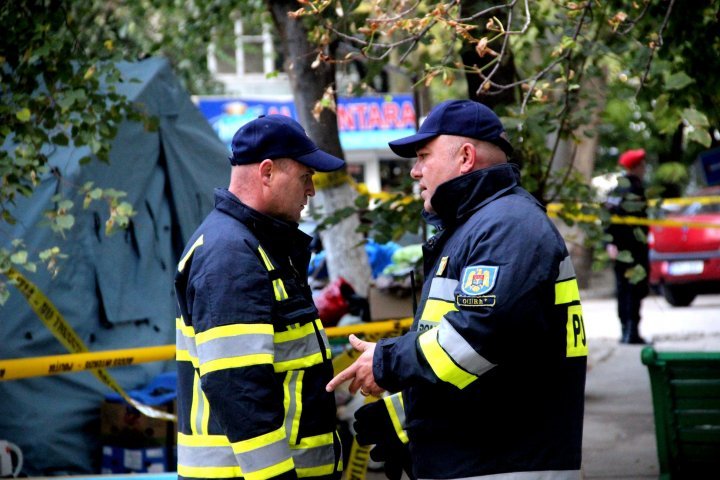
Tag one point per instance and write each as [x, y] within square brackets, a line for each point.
[115, 291]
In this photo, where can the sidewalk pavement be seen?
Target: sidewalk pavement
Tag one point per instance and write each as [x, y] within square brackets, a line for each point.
[619, 429]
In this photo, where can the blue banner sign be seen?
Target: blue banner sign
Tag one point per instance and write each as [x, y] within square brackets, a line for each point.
[364, 123]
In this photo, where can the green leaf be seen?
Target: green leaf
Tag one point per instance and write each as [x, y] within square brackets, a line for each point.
[700, 136]
[23, 114]
[695, 118]
[19, 258]
[678, 81]
[65, 222]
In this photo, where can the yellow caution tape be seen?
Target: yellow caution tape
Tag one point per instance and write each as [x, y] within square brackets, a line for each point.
[13, 369]
[388, 328]
[54, 321]
[359, 455]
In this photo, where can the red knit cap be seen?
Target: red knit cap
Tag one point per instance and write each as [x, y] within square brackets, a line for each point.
[631, 158]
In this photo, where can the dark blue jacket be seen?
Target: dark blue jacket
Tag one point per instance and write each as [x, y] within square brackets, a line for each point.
[253, 358]
[493, 370]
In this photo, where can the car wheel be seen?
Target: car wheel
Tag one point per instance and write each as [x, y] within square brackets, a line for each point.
[678, 296]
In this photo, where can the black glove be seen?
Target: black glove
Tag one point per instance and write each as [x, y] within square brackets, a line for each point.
[373, 425]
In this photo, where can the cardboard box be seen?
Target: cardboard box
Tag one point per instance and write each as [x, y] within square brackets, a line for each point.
[122, 425]
[385, 305]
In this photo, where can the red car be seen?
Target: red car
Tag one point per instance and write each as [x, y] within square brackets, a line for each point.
[685, 261]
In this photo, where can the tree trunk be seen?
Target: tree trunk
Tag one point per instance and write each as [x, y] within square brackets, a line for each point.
[344, 247]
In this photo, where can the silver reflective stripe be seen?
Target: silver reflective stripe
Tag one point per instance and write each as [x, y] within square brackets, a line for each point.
[235, 346]
[291, 397]
[294, 349]
[314, 456]
[460, 350]
[221, 456]
[399, 408]
[324, 336]
[201, 406]
[183, 342]
[566, 269]
[543, 475]
[263, 457]
[443, 288]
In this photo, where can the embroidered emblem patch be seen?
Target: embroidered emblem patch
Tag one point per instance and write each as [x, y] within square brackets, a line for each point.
[478, 279]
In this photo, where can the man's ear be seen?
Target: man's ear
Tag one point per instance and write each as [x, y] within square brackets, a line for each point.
[469, 158]
[265, 169]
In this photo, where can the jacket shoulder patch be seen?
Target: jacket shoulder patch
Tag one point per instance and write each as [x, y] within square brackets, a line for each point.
[478, 279]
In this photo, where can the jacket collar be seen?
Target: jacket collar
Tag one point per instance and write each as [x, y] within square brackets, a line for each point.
[457, 199]
[272, 233]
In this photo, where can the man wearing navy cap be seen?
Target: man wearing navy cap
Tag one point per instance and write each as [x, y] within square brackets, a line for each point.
[628, 199]
[489, 382]
[252, 356]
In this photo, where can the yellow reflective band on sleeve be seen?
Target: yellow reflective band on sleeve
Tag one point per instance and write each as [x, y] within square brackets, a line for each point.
[183, 261]
[184, 356]
[300, 363]
[272, 471]
[435, 310]
[567, 292]
[209, 472]
[202, 440]
[233, 331]
[250, 444]
[577, 345]
[441, 363]
[314, 441]
[236, 362]
[295, 333]
[395, 416]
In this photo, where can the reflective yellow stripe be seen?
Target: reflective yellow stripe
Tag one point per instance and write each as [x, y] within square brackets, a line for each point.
[278, 285]
[272, 471]
[234, 330]
[441, 363]
[567, 292]
[250, 444]
[316, 471]
[394, 418]
[265, 259]
[300, 363]
[200, 440]
[183, 261]
[296, 333]
[577, 345]
[279, 288]
[184, 356]
[314, 441]
[186, 330]
[297, 393]
[209, 472]
[435, 310]
[236, 362]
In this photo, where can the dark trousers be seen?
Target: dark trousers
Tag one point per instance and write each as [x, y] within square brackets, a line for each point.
[629, 299]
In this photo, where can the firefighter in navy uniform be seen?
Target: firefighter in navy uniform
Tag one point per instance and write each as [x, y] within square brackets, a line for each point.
[253, 358]
[492, 374]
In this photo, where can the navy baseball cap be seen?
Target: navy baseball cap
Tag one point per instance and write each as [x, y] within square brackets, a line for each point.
[278, 136]
[464, 118]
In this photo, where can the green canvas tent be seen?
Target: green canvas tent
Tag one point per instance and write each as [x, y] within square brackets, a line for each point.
[115, 291]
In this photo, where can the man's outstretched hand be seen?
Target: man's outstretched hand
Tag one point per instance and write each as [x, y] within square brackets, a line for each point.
[360, 373]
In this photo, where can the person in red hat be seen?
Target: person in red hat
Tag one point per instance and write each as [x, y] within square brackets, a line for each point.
[628, 199]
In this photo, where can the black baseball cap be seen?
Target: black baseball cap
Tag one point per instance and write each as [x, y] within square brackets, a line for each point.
[464, 118]
[279, 136]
